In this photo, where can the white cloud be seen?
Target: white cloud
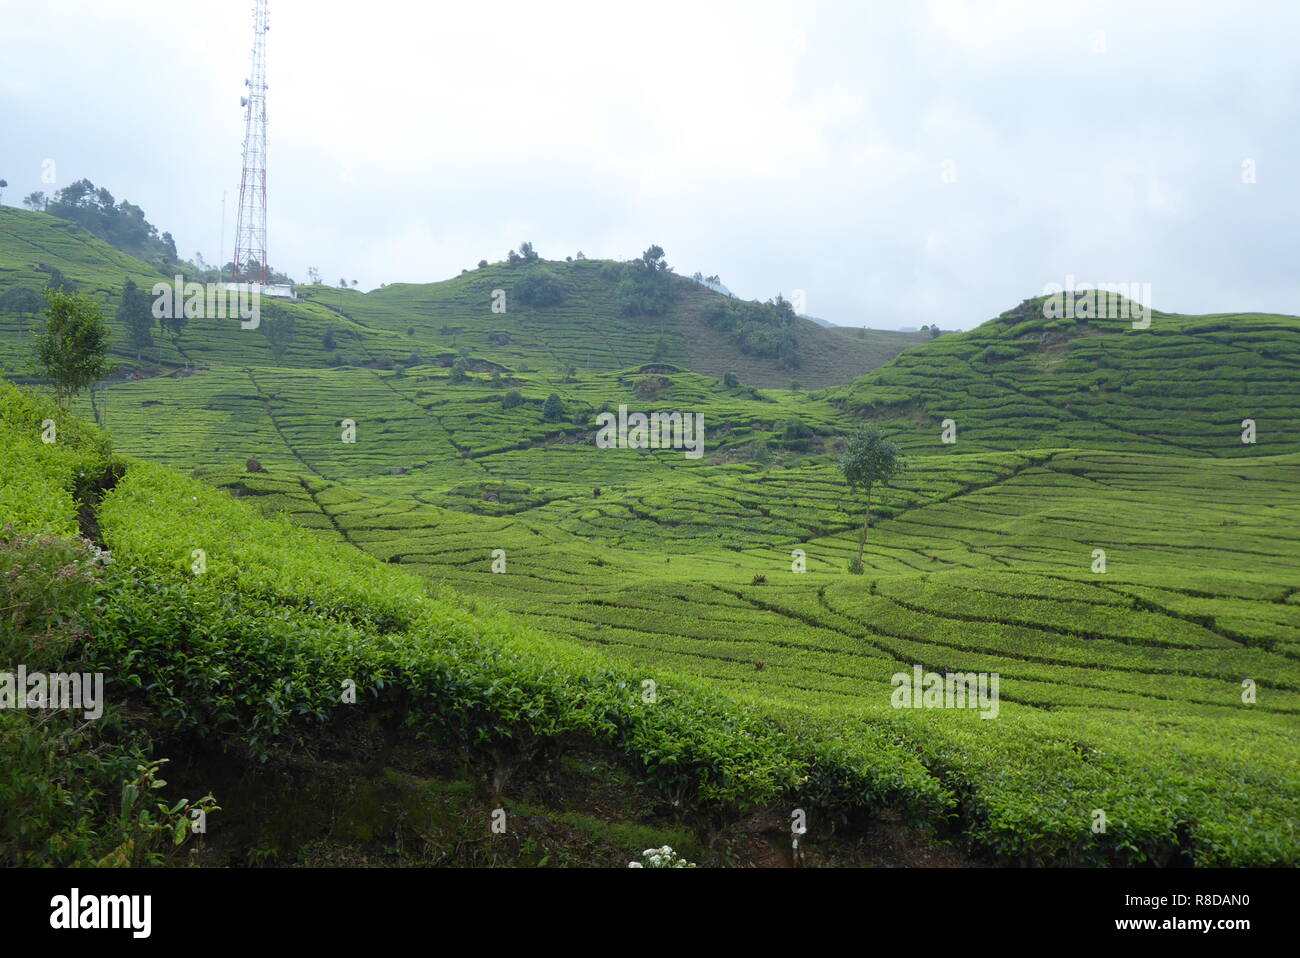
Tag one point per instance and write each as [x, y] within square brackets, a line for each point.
[781, 144]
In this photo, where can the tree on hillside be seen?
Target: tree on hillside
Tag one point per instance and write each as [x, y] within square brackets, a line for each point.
[539, 286]
[868, 459]
[527, 253]
[652, 260]
[122, 225]
[758, 329]
[72, 347]
[3, 184]
[645, 286]
[553, 408]
[313, 275]
[135, 314]
[58, 281]
[784, 308]
[278, 327]
[35, 201]
[21, 301]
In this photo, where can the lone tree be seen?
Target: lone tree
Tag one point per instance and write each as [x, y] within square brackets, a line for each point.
[135, 314]
[72, 348]
[869, 458]
[553, 408]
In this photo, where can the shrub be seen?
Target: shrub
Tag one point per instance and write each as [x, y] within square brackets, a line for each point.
[759, 329]
[794, 428]
[540, 287]
[48, 585]
[512, 399]
[553, 408]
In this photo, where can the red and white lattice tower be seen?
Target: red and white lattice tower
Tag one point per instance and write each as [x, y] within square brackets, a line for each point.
[250, 229]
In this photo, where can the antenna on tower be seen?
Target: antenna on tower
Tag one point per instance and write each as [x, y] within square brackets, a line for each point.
[249, 264]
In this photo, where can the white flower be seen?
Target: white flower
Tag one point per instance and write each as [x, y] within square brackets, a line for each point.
[635, 865]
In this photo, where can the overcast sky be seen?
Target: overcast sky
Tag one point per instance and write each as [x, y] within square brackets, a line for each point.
[900, 163]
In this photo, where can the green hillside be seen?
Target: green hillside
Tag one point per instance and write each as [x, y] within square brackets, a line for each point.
[408, 323]
[1181, 386]
[1098, 536]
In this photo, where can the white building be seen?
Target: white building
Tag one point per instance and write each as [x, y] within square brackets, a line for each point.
[275, 292]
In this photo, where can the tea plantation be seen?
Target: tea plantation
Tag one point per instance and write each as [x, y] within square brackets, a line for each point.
[1096, 534]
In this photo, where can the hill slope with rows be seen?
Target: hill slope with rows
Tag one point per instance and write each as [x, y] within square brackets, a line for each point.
[1183, 385]
[1098, 536]
[434, 322]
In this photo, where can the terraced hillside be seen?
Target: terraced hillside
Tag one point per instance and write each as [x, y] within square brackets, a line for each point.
[1121, 690]
[1098, 536]
[408, 323]
[1182, 385]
